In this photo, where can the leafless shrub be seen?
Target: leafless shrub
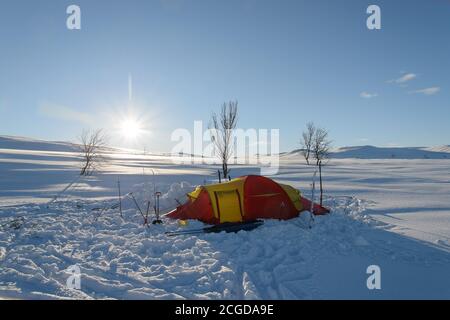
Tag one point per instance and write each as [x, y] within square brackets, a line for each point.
[92, 142]
[307, 141]
[222, 136]
[321, 145]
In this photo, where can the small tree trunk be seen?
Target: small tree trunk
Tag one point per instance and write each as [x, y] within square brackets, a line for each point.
[225, 170]
[320, 177]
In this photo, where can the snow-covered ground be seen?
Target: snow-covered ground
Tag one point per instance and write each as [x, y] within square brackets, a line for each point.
[394, 213]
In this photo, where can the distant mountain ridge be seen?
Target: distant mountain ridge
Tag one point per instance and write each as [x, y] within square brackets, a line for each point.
[372, 152]
[358, 152]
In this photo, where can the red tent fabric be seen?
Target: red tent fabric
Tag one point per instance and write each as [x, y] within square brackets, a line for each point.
[244, 199]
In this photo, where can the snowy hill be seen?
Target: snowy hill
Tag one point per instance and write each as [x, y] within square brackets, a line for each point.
[21, 143]
[439, 149]
[358, 152]
[371, 152]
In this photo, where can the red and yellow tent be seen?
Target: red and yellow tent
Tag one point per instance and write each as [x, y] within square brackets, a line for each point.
[244, 199]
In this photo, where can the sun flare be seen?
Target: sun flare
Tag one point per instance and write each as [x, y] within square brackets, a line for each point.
[130, 128]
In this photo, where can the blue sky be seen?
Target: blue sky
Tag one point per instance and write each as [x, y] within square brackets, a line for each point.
[286, 62]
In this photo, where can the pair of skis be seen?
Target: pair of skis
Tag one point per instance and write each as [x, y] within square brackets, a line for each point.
[227, 227]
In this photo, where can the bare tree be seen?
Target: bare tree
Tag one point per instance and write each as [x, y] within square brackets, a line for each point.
[321, 145]
[91, 144]
[222, 135]
[307, 140]
[321, 151]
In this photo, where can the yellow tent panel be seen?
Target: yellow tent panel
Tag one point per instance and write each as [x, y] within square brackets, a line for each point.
[229, 195]
[294, 195]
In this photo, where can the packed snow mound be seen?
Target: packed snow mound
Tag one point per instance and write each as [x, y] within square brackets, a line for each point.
[122, 259]
[145, 193]
[371, 152]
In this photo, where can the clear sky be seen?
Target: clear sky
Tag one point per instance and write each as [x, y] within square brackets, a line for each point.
[286, 62]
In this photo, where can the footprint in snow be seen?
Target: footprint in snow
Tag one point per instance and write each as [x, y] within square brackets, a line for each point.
[2, 253]
[360, 241]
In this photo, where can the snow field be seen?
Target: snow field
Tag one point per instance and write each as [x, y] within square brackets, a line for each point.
[122, 259]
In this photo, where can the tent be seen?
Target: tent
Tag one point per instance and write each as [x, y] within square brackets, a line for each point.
[244, 199]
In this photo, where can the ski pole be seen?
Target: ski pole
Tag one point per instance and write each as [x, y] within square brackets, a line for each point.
[137, 206]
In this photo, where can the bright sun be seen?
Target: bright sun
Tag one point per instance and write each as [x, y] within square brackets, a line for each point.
[130, 128]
